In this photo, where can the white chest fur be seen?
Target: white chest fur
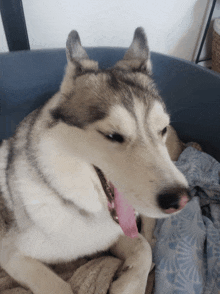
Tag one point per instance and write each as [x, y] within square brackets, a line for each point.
[72, 236]
[63, 226]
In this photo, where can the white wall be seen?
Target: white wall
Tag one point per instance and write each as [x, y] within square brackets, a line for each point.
[172, 26]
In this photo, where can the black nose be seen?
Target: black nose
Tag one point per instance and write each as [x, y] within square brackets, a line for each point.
[172, 200]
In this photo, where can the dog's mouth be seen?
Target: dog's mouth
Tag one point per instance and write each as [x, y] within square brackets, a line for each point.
[121, 211]
[107, 186]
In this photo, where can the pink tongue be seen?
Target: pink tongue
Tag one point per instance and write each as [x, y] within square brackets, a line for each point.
[126, 216]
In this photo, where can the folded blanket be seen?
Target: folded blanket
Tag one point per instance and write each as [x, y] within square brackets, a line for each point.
[187, 251]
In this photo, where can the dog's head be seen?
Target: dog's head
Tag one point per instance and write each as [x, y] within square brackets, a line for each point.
[116, 120]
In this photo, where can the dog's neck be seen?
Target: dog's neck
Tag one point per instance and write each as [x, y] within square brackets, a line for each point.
[71, 176]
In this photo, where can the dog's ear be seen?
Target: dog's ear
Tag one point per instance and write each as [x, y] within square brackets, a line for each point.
[78, 62]
[74, 49]
[137, 57]
[77, 55]
[139, 46]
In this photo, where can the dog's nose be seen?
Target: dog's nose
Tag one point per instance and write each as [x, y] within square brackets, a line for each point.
[173, 200]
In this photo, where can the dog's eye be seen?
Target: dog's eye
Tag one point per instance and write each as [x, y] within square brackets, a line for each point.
[115, 137]
[163, 132]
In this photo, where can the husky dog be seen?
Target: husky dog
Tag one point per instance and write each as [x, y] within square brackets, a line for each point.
[53, 205]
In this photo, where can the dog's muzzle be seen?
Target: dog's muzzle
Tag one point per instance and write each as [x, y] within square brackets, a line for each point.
[173, 200]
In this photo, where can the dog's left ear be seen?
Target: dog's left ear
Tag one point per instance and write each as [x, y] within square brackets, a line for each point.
[77, 55]
[137, 57]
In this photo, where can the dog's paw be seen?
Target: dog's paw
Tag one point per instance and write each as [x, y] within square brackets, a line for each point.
[132, 277]
[126, 286]
[129, 280]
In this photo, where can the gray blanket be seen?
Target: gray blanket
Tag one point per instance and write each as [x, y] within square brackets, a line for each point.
[187, 252]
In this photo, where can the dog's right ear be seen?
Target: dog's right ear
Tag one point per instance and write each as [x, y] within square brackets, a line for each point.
[77, 55]
[137, 57]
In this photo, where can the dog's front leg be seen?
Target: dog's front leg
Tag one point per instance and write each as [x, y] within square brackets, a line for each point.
[32, 274]
[137, 256]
